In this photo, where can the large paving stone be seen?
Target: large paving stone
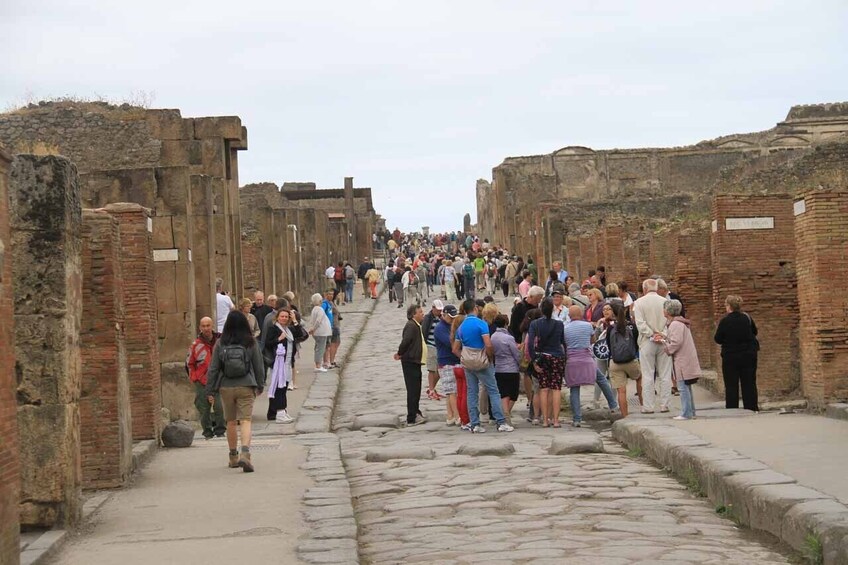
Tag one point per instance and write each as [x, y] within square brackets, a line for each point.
[376, 421]
[499, 449]
[400, 452]
[768, 504]
[838, 410]
[583, 442]
[638, 528]
[813, 516]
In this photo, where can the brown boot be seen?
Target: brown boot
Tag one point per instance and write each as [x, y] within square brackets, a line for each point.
[245, 463]
[234, 459]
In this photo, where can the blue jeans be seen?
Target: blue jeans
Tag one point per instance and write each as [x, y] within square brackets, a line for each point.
[574, 398]
[486, 377]
[603, 382]
[687, 401]
[349, 290]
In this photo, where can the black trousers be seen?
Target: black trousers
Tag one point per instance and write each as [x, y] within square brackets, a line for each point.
[412, 379]
[740, 369]
[277, 403]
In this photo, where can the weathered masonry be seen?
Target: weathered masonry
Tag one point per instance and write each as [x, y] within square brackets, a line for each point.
[760, 215]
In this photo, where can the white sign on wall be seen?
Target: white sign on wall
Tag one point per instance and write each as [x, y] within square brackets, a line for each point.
[189, 255]
[714, 226]
[762, 223]
[799, 207]
[166, 254]
[150, 225]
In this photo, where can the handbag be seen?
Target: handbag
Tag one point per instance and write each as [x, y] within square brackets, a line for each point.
[600, 349]
[474, 359]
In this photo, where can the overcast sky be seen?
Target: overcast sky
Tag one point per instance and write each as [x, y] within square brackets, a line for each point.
[419, 99]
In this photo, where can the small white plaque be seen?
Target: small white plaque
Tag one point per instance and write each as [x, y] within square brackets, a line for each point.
[714, 226]
[150, 225]
[166, 254]
[189, 255]
[762, 223]
[799, 207]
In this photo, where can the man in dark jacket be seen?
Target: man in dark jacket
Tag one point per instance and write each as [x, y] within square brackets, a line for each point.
[519, 311]
[364, 267]
[412, 355]
[260, 309]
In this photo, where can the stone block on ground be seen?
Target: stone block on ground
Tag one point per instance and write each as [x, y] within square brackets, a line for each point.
[499, 449]
[376, 421]
[388, 453]
[582, 442]
[178, 434]
[838, 411]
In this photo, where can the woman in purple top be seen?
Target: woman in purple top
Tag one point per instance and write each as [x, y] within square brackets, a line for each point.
[507, 357]
[580, 369]
[546, 344]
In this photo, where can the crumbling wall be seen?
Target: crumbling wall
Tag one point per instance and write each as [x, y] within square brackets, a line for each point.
[45, 221]
[105, 420]
[10, 479]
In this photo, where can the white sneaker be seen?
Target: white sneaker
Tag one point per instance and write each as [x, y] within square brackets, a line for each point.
[681, 418]
[505, 428]
[478, 430]
[320, 370]
[284, 418]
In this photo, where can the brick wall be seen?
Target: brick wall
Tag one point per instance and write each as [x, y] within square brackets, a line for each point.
[9, 456]
[572, 257]
[759, 265]
[614, 248]
[140, 310]
[45, 221]
[821, 233]
[694, 285]
[105, 426]
[664, 254]
[588, 258]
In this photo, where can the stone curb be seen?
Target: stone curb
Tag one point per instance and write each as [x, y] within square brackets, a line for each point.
[750, 492]
[837, 411]
[328, 509]
[143, 451]
[316, 414]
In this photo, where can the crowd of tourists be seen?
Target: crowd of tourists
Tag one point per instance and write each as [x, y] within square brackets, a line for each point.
[558, 333]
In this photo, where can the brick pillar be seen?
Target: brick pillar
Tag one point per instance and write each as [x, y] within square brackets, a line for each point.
[753, 255]
[664, 255]
[600, 249]
[572, 255]
[693, 282]
[105, 421]
[588, 257]
[140, 310]
[614, 250]
[643, 260]
[821, 232]
[631, 257]
[46, 217]
[10, 480]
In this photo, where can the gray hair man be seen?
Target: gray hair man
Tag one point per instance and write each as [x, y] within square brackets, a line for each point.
[223, 304]
[648, 313]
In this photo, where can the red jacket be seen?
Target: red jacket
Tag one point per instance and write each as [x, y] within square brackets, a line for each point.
[200, 357]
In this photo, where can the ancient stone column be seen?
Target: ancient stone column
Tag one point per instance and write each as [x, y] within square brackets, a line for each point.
[821, 234]
[45, 221]
[105, 420]
[350, 217]
[140, 311]
[9, 449]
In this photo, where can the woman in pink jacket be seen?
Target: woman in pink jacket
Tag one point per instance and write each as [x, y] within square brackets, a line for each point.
[680, 346]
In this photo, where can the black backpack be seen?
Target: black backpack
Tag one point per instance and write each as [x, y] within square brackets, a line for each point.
[235, 362]
[622, 348]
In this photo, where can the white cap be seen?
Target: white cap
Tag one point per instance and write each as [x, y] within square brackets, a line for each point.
[438, 305]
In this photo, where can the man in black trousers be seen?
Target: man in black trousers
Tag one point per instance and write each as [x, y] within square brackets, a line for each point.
[412, 356]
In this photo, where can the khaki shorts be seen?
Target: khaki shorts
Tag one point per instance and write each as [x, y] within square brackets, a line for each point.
[620, 373]
[432, 365]
[238, 402]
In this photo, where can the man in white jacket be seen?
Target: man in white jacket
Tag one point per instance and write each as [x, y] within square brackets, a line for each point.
[651, 322]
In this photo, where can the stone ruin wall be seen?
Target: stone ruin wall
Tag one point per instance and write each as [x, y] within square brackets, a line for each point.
[669, 232]
[186, 171]
[9, 444]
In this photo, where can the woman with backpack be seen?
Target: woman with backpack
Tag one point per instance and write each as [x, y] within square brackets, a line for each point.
[238, 373]
[279, 347]
[623, 349]
[680, 346]
[546, 346]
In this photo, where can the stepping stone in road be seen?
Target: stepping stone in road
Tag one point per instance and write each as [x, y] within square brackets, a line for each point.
[478, 449]
[387, 453]
[582, 442]
[376, 421]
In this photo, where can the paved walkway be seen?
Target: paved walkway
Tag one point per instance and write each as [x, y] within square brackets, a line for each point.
[433, 504]
[188, 507]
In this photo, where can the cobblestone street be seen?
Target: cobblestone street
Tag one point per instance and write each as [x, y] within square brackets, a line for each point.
[434, 494]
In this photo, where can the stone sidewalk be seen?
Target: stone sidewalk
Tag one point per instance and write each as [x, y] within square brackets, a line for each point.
[434, 494]
[187, 507]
